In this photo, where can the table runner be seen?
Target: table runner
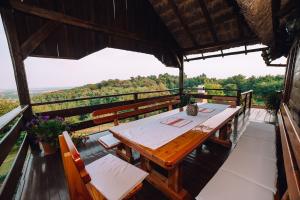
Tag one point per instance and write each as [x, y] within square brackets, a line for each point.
[153, 134]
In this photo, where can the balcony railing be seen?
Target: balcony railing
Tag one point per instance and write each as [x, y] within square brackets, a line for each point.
[11, 125]
[16, 118]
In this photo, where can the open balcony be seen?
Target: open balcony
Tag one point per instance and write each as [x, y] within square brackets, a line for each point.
[154, 144]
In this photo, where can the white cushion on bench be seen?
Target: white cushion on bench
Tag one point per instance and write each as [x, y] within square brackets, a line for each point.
[261, 131]
[108, 141]
[257, 147]
[113, 177]
[227, 186]
[257, 169]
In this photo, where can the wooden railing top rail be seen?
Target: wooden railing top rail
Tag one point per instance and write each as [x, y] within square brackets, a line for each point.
[246, 92]
[10, 116]
[290, 139]
[203, 88]
[101, 97]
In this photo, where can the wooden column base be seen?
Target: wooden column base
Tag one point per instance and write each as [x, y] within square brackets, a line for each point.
[171, 186]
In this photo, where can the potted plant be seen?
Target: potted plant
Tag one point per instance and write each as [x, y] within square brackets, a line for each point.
[47, 130]
[79, 139]
[272, 102]
[192, 107]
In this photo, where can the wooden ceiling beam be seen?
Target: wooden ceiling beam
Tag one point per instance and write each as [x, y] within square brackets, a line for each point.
[208, 20]
[38, 37]
[73, 21]
[183, 22]
[220, 45]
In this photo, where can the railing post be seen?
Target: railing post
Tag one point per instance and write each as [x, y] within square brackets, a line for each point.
[245, 103]
[136, 97]
[236, 117]
[250, 101]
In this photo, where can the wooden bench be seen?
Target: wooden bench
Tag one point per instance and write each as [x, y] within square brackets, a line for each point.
[290, 142]
[108, 141]
[106, 178]
[250, 171]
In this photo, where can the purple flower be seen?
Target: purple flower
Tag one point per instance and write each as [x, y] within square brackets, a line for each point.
[45, 118]
[59, 118]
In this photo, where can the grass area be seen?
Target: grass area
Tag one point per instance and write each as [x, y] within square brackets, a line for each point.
[7, 164]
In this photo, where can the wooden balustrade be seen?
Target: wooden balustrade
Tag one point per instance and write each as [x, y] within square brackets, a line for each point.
[290, 142]
[9, 140]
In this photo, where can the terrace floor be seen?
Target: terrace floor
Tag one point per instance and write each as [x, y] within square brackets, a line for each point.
[44, 177]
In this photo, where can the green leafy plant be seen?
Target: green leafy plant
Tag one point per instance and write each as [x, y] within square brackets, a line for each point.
[272, 102]
[47, 129]
[79, 139]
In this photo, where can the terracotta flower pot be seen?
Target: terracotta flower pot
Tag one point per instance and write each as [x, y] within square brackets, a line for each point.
[48, 149]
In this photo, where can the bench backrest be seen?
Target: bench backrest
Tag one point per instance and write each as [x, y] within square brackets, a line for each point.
[131, 110]
[75, 172]
[290, 141]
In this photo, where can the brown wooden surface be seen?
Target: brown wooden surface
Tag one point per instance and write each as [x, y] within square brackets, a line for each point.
[46, 176]
[290, 148]
[10, 183]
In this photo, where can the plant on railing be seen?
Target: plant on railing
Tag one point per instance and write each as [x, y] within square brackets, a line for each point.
[272, 102]
[47, 131]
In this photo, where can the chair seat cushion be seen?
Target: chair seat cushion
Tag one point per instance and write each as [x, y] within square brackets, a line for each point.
[227, 186]
[257, 169]
[257, 147]
[261, 131]
[113, 177]
[108, 141]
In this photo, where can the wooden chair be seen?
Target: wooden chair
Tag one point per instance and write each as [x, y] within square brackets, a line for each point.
[100, 179]
[114, 114]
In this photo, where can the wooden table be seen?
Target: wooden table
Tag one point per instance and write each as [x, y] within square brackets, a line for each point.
[171, 155]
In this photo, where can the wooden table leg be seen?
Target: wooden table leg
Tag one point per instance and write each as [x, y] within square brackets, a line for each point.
[224, 136]
[125, 152]
[171, 186]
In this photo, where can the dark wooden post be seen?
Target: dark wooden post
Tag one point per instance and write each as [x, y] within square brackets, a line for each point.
[236, 117]
[181, 77]
[136, 97]
[250, 101]
[17, 59]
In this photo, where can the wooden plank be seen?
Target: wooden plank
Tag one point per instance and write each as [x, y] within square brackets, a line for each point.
[111, 118]
[292, 130]
[208, 20]
[38, 37]
[17, 59]
[291, 171]
[90, 109]
[10, 183]
[10, 116]
[9, 140]
[73, 21]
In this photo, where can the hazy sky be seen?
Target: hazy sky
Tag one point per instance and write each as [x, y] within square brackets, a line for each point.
[113, 63]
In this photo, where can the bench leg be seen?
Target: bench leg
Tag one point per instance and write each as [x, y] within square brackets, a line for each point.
[224, 136]
[171, 185]
[125, 152]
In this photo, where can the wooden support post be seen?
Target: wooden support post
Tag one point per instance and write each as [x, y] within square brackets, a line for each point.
[181, 77]
[236, 117]
[250, 101]
[136, 97]
[17, 60]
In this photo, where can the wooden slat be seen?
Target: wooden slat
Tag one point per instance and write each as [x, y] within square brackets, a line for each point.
[293, 131]
[207, 96]
[90, 109]
[133, 106]
[11, 181]
[9, 140]
[292, 172]
[10, 116]
[73, 21]
[91, 123]
[36, 38]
